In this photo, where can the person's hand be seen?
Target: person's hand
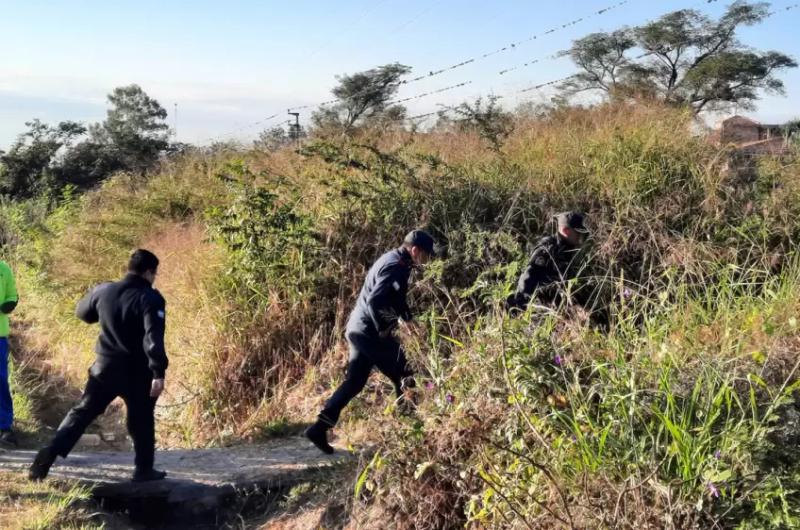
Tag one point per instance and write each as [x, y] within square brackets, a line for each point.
[156, 388]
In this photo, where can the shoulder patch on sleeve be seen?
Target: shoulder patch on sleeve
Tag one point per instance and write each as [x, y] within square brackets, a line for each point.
[161, 313]
[396, 285]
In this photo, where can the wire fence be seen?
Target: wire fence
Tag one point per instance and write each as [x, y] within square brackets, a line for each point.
[513, 45]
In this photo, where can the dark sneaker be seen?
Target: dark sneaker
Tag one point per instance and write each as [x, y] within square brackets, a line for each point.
[41, 464]
[8, 438]
[318, 435]
[148, 475]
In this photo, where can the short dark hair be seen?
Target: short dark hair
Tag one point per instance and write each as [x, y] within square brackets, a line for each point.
[142, 261]
[421, 239]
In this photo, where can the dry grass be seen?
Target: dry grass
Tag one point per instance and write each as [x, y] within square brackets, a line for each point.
[44, 506]
[667, 221]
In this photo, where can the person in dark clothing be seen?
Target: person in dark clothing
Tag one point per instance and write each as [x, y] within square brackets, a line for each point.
[552, 263]
[381, 307]
[131, 363]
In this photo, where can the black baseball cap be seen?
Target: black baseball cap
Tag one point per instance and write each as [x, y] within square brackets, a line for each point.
[421, 239]
[573, 220]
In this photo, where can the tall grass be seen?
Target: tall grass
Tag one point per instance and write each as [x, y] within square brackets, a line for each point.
[658, 395]
[87, 239]
[541, 422]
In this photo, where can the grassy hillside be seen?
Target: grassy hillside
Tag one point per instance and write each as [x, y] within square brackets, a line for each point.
[666, 397]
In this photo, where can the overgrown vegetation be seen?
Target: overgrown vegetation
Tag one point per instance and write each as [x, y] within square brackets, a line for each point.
[662, 395]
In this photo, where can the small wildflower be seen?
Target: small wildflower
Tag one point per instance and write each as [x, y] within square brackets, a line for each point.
[627, 293]
[429, 385]
[558, 360]
[450, 398]
[717, 454]
[712, 489]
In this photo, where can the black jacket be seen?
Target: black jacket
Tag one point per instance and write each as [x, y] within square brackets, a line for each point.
[553, 261]
[132, 319]
[382, 300]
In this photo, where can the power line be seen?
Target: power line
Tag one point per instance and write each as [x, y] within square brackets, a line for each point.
[364, 14]
[243, 127]
[486, 55]
[547, 84]
[445, 109]
[554, 82]
[645, 54]
[559, 55]
[530, 63]
[432, 92]
[419, 15]
[502, 72]
[514, 45]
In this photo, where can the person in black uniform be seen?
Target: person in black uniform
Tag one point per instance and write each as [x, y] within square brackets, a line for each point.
[380, 308]
[552, 263]
[131, 363]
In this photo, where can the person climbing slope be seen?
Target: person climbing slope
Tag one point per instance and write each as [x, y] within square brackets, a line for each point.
[553, 262]
[380, 308]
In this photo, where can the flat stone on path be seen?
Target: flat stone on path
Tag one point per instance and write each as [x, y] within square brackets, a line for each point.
[198, 479]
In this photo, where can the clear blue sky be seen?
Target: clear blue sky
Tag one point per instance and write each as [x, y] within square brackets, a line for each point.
[228, 64]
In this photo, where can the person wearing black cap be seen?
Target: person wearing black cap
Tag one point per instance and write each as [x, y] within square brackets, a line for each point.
[380, 308]
[131, 363]
[553, 262]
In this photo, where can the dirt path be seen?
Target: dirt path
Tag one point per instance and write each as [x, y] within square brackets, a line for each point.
[200, 481]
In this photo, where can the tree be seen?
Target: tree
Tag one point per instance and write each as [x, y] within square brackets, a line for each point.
[31, 164]
[362, 98]
[486, 117]
[132, 138]
[89, 162]
[135, 126]
[683, 58]
[272, 139]
[601, 58]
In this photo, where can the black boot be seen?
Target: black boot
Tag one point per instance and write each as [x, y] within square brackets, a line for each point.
[41, 464]
[318, 434]
[148, 475]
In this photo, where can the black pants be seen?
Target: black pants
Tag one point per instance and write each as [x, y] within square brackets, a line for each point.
[99, 393]
[365, 353]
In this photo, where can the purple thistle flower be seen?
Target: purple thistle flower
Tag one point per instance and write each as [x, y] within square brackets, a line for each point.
[429, 385]
[558, 360]
[450, 398]
[717, 454]
[712, 489]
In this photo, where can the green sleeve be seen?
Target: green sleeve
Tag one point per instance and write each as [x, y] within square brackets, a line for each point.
[10, 286]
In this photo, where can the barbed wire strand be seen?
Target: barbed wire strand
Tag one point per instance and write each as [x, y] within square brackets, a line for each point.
[471, 60]
[554, 82]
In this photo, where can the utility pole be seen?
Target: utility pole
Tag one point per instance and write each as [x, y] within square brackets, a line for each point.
[175, 117]
[294, 128]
